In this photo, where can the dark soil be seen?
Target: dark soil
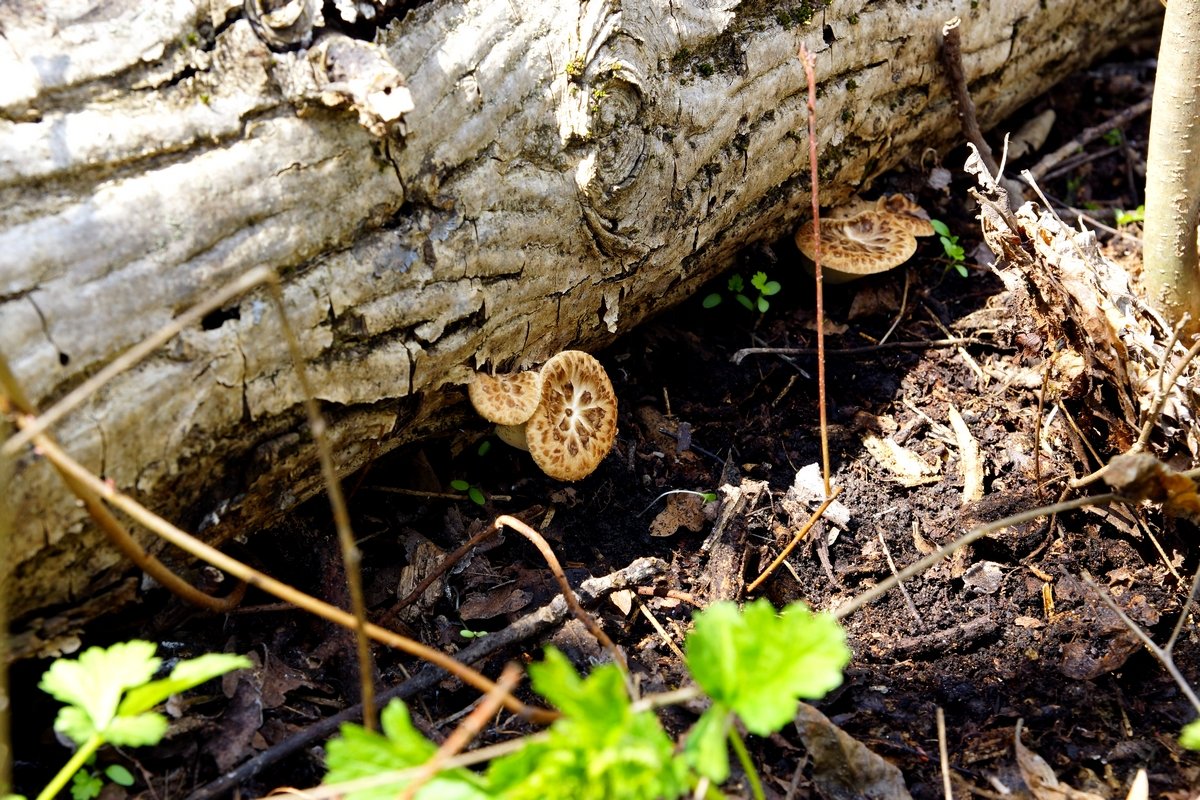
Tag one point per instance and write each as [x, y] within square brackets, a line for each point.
[1005, 630]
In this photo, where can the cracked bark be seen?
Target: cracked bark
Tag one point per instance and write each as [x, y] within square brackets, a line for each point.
[151, 153]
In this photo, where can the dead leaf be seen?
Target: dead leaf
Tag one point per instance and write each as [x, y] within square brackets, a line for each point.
[503, 600]
[842, 767]
[1032, 135]
[906, 467]
[970, 464]
[1144, 477]
[1040, 778]
[683, 510]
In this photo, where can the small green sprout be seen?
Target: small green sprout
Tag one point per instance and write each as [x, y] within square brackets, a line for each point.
[485, 447]
[1129, 217]
[737, 286]
[574, 67]
[473, 492]
[1189, 737]
[951, 247]
[470, 634]
[1114, 137]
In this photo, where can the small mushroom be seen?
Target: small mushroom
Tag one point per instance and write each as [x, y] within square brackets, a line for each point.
[575, 424]
[864, 244]
[508, 399]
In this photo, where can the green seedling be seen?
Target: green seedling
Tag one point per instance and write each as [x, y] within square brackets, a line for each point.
[110, 696]
[950, 247]
[737, 287]
[1113, 138]
[1129, 217]
[467, 633]
[753, 663]
[1189, 737]
[473, 492]
[87, 783]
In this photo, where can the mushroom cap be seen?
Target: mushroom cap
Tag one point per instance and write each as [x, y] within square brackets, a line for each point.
[506, 399]
[575, 425]
[864, 244]
[914, 218]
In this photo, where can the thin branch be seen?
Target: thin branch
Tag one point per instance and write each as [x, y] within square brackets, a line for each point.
[806, 58]
[568, 593]
[283, 591]
[796, 539]
[854, 351]
[978, 532]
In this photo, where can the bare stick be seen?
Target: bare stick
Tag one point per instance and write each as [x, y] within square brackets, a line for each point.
[1051, 160]
[951, 54]
[796, 539]
[351, 557]
[134, 355]
[739, 355]
[441, 568]
[912, 607]
[943, 755]
[568, 593]
[806, 59]
[283, 591]
[978, 532]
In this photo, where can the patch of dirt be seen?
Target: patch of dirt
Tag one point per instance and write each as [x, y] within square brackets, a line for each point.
[1005, 630]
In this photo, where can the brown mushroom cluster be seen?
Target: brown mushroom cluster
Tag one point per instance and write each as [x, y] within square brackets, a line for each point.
[865, 238]
[564, 414]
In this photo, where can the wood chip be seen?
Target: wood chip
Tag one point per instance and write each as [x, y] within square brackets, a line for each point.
[970, 464]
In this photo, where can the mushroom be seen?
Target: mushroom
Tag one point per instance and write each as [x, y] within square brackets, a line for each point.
[914, 218]
[508, 399]
[575, 425]
[867, 243]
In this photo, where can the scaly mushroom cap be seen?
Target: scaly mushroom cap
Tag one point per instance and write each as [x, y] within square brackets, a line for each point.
[914, 218]
[575, 425]
[864, 244]
[506, 399]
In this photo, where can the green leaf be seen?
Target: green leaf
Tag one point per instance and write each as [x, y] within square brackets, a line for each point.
[93, 684]
[736, 284]
[710, 497]
[961, 269]
[939, 227]
[599, 749]
[476, 496]
[1189, 737]
[484, 447]
[705, 749]
[763, 305]
[137, 730]
[759, 280]
[459, 485]
[741, 298]
[771, 288]
[119, 775]
[712, 301]
[760, 663]
[85, 785]
[358, 753]
[186, 675]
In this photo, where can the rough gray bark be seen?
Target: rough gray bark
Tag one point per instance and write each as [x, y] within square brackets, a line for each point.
[568, 170]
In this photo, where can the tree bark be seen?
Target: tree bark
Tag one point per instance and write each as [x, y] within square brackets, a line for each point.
[567, 170]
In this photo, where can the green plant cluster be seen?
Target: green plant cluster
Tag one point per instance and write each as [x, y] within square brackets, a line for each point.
[737, 287]
[950, 247]
[753, 664]
[110, 697]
